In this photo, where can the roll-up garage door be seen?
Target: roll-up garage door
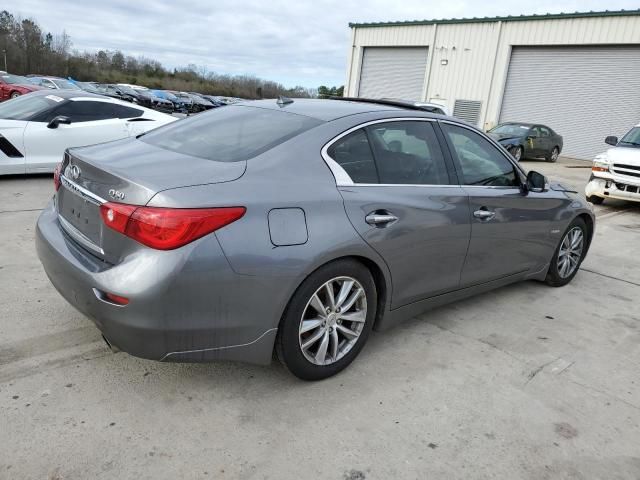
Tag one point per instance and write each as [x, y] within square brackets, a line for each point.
[584, 93]
[395, 72]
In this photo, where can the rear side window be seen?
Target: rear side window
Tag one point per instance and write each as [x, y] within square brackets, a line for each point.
[230, 134]
[392, 153]
[408, 153]
[353, 153]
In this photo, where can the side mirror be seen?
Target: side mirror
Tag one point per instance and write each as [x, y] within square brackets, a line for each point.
[60, 119]
[531, 136]
[536, 182]
[611, 140]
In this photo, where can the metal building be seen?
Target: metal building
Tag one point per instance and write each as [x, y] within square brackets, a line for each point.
[579, 73]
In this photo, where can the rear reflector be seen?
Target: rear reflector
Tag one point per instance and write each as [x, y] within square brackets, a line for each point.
[167, 228]
[117, 299]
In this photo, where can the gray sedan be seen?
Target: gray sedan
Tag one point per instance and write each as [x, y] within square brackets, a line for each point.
[296, 226]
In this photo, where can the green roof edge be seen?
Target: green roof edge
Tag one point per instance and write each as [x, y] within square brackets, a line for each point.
[508, 18]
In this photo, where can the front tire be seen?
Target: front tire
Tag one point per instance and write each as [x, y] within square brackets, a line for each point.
[14, 95]
[595, 200]
[328, 320]
[569, 254]
[517, 153]
[553, 156]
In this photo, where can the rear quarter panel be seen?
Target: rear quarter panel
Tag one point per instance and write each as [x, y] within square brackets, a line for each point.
[290, 176]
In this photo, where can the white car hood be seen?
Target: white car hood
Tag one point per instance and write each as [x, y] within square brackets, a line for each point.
[625, 155]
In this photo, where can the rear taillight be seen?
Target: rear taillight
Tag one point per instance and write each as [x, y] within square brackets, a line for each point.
[167, 228]
[56, 176]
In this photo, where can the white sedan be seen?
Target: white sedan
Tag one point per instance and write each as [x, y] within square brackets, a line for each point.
[36, 129]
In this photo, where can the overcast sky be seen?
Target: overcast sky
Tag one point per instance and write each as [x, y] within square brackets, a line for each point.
[293, 42]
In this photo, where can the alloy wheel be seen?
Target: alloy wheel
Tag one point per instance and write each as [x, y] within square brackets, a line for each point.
[555, 154]
[570, 252]
[333, 320]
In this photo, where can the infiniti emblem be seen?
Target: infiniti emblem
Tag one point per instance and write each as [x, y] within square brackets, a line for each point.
[75, 171]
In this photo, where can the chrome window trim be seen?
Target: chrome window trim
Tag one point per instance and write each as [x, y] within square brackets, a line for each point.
[78, 236]
[342, 177]
[83, 192]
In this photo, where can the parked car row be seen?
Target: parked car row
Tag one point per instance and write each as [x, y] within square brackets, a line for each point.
[168, 101]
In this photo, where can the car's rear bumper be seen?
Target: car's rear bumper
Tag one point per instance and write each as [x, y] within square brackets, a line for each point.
[184, 306]
[613, 187]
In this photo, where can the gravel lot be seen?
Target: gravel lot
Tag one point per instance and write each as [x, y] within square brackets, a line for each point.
[525, 382]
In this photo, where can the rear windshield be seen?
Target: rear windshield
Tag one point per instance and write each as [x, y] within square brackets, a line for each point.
[230, 134]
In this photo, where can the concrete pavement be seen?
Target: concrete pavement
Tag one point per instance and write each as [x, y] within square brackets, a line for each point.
[524, 382]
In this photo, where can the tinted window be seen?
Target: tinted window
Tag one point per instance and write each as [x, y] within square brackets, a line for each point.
[408, 153]
[632, 138]
[481, 163]
[353, 153]
[230, 134]
[87, 111]
[544, 132]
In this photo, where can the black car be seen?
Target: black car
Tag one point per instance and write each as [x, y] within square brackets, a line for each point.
[528, 140]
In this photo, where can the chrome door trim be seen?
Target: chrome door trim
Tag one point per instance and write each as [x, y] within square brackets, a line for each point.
[342, 177]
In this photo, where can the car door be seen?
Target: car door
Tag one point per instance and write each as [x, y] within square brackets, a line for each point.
[546, 140]
[509, 229]
[91, 123]
[401, 196]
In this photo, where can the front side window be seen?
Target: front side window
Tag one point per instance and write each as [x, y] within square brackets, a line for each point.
[480, 162]
[408, 153]
[544, 131]
[230, 134]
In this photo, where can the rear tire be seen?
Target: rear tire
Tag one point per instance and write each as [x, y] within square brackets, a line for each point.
[569, 254]
[553, 156]
[314, 345]
[595, 200]
[14, 95]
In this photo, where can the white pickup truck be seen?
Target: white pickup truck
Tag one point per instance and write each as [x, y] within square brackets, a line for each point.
[616, 172]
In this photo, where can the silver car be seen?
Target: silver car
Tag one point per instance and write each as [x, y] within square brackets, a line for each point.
[296, 226]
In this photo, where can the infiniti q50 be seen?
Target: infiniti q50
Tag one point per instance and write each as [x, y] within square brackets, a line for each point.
[296, 227]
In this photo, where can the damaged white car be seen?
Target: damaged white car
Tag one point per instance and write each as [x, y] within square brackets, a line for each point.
[616, 172]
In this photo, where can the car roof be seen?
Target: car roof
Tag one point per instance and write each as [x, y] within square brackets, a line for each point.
[322, 109]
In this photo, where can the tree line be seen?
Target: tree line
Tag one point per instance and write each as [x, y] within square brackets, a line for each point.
[29, 50]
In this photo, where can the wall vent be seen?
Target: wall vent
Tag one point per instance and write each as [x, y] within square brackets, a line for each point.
[468, 110]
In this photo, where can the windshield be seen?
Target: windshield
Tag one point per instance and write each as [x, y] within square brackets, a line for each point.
[16, 79]
[26, 107]
[170, 96]
[510, 129]
[230, 134]
[631, 139]
[65, 84]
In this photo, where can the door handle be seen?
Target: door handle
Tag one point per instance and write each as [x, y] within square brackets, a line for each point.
[380, 219]
[484, 214]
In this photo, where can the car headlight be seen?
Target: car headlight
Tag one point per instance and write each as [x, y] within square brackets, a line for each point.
[600, 164]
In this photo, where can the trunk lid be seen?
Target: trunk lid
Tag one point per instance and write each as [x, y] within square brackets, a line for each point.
[126, 171]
